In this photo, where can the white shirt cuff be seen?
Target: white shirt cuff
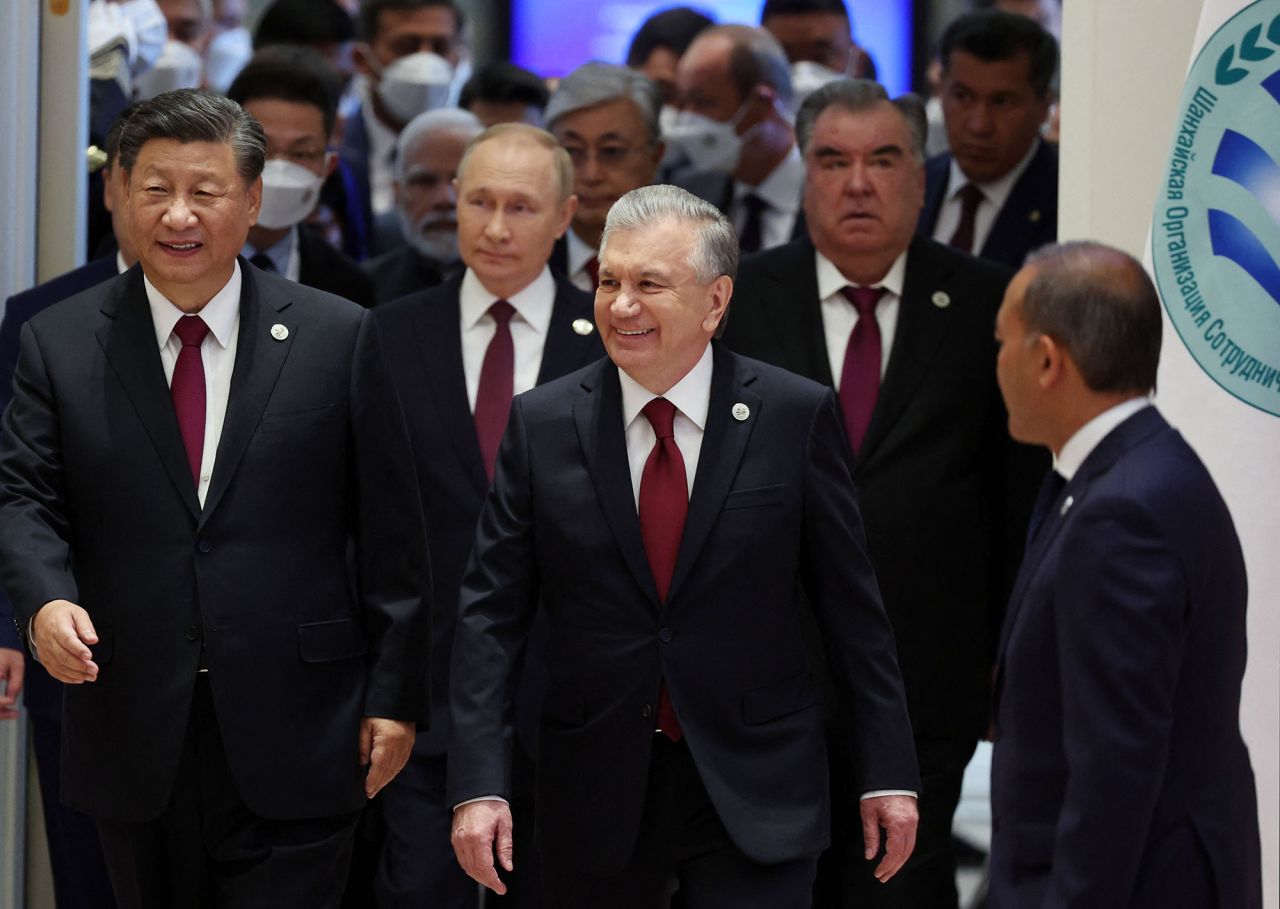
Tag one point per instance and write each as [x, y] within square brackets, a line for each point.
[482, 798]
[877, 793]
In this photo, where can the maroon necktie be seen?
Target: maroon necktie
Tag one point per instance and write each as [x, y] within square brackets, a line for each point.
[664, 502]
[860, 377]
[497, 384]
[187, 389]
[970, 198]
[593, 269]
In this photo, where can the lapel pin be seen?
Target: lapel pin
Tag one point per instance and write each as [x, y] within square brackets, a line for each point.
[941, 299]
[1034, 217]
[582, 326]
[279, 332]
[740, 412]
[1066, 506]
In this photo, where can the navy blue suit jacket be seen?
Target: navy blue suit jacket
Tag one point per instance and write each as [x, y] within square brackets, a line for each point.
[1029, 218]
[772, 519]
[1119, 777]
[423, 343]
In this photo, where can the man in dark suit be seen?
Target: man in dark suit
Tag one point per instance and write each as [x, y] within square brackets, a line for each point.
[294, 95]
[995, 193]
[901, 328]
[1119, 776]
[443, 347]
[671, 510]
[204, 533]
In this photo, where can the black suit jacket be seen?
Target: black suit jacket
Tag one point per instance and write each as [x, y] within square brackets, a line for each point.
[401, 272]
[944, 492]
[303, 579]
[718, 190]
[772, 516]
[1119, 776]
[325, 268]
[1029, 218]
[423, 341]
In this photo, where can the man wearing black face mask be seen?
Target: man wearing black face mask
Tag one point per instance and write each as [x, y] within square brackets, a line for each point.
[293, 94]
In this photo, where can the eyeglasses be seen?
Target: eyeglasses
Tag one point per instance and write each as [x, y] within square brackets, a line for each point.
[608, 156]
[308, 157]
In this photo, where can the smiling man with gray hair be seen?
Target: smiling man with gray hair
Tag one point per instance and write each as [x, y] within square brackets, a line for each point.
[673, 509]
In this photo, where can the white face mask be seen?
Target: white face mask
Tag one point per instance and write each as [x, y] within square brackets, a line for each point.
[414, 84]
[289, 192]
[712, 146]
[178, 67]
[806, 78]
[668, 117]
[150, 32]
[226, 55]
[434, 235]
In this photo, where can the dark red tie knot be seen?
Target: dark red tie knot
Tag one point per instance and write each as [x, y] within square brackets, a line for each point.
[661, 415]
[970, 197]
[502, 311]
[864, 299]
[191, 331]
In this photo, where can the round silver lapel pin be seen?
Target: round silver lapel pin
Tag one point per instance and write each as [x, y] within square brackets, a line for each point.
[941, 299]
[582, 326]
[279, 332]
[1066, 506]
[1034, 217]
[740, 412]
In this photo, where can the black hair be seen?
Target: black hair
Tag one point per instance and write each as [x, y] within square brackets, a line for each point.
[993, 35]
[673, 29]
[504, 83]
[308, 22]
[289, 73]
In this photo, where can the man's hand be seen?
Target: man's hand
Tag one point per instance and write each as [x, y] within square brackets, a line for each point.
[480, 829]
[62, 633]
[898, 816]
[385, 746]
[12, 669]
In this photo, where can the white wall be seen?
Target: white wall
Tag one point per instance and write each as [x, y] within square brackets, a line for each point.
[1123, 70]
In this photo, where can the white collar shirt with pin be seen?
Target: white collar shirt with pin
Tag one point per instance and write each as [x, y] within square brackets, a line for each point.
[691, 397]
[579, 254]
[529, 327]
[839, 317]
[285, 255]
[994, 195]
[1088, 436]
[781, 191]
[217, 353]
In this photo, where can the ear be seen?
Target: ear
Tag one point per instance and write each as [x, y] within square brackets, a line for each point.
[719, 292]
[567, 211]
[1051, 360]
[255, 200]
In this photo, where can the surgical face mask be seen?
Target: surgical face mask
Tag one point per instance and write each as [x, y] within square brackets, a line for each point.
[289, 192]
[178, 67]
[150, 32]
[668, 117]
[434, 235]
[806, 78]
[712, 146]
[414, 84]
[226, 55]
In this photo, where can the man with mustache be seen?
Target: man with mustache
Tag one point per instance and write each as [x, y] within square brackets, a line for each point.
[427, 156]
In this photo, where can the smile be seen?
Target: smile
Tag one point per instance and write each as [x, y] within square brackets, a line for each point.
[181, 247]
[634, 332]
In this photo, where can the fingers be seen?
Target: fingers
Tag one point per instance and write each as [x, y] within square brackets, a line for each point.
[477, 828]
[898, 847]
[62, 632]
[13, 668]
[870, 830]
[390, 744]
[366, 740]
[897, 815]
[506, 844]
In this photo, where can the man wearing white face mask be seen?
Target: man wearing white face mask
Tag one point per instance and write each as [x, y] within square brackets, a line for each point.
[406, 57]
[293, 94]
[734, 90]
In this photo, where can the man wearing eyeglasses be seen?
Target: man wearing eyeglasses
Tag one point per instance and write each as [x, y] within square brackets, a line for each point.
[293, 94]
[606, 117]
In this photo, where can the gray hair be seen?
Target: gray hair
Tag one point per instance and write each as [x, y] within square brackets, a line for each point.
[1100, 305]
[859, 95]
[715, 247]
[756, 58]
[595, 83]
[432, 123]
[193, 115]
[561, 166]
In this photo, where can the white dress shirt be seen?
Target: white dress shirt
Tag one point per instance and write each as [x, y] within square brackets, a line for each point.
[579, 255]
[1088, 436]
[285, 255]
[218, 353]
[781, 192]
[121, 265]
[529, 327]
[382, 149]
[994, 195]
[839, 317]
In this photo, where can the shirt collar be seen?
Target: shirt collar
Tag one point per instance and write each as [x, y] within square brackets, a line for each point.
[220, 313]
[996, 191]
[1088, 436]
[533, 304]
[781, 189]
[579, 252]
[691, 395]
[278, 254]
[831, 281]
[121, 265]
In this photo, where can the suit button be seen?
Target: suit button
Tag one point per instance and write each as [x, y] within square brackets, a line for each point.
[204, 546]
[646, 711]
[664, 635]
[193, 632]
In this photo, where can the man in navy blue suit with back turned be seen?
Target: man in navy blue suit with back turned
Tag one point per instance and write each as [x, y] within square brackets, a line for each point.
[1119, 777]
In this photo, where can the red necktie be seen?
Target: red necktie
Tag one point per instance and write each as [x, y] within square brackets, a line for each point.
[497, 383]
[187, 390]
[860, 378]
[970, 198]
[593, 269]
[664, 502]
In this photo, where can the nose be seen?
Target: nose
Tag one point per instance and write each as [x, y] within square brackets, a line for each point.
[178, 215]
[978, 119]
[857, 183]
[589, 169]
[624, 305]
[496, 228]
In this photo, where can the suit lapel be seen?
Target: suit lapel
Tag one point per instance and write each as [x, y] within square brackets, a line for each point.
[937, 177]
[259, 358]
[565, 349]
[598, 417]
[1022, 212]
[723, 443]
[795, 313]
[129, 342]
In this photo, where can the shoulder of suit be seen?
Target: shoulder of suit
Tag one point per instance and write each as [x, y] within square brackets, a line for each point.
[579, 301]
[779, 261]
[310, 303]
[957, 267]
[768, 380]
[550, 398]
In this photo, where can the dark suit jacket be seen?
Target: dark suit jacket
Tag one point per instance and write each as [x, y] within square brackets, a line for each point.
[1119, 776]
[944, 492]
[772, 514]
[357, 194]
[401, 272]
[325, 268]
[98, 507]
[1029, 218]
[718, 190]
[423, 341]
